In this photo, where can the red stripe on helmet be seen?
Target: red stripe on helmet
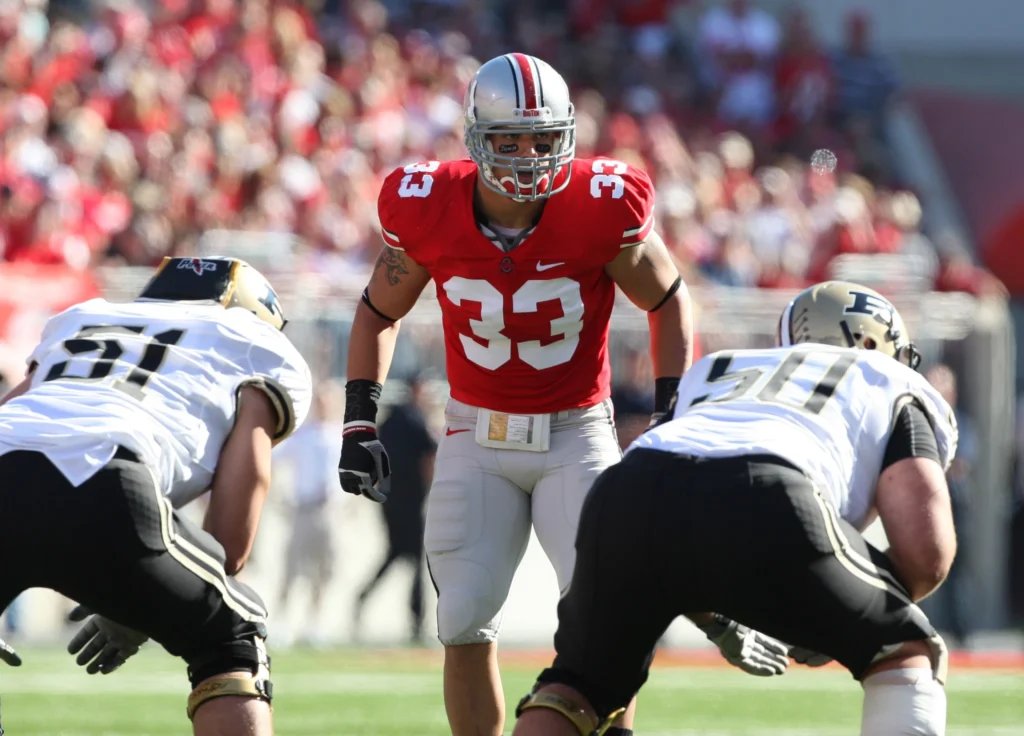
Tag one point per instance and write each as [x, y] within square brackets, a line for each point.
[529, 82]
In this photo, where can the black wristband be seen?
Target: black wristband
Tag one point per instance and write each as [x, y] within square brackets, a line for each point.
[664, 390]
[361, 397]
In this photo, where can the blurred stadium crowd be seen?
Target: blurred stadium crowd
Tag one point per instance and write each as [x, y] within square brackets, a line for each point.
[130, 127]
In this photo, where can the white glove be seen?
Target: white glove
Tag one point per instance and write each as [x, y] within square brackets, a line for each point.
[104, 644]
[8, 655]
[751, 651]
[808, 657]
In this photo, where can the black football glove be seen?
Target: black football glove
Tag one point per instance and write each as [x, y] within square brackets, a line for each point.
[364, 468]
[101, 644]
[808, 657]
[8, 655]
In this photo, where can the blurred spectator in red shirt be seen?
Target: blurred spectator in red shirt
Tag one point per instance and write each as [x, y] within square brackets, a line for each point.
[804, 85]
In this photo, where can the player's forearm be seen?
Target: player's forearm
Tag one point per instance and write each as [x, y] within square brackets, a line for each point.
[242, 480]
[923, 571]
[671, 327]
[371, 345]
[18, 390]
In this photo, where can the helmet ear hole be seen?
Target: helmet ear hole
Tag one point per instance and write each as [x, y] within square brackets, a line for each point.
[869, 343]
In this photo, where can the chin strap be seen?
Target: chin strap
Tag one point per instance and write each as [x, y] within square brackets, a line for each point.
[579, 718]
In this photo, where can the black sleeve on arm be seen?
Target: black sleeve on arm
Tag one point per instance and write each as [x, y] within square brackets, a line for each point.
[912, 436]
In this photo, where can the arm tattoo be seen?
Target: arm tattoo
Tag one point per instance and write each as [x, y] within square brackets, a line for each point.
[393, 261]
[644, 259]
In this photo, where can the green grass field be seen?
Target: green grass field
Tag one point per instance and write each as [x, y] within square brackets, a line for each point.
[358, 693]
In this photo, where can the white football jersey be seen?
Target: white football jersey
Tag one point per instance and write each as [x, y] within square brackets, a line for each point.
[160, 378]
[827, 410]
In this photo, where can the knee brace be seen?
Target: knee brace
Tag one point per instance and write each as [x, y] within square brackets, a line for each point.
[569, 708]
[903, 702]
[239, 668]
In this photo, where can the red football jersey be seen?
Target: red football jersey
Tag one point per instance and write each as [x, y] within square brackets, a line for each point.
[525, 331]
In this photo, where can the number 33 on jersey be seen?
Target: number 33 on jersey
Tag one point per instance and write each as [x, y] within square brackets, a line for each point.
[526, 330]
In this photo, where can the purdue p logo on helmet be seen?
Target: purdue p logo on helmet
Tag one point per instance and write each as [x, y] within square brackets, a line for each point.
[848, 315]
[230, 282]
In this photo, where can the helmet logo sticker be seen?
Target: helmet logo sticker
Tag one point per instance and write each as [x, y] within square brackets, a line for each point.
[269, 300]
[197, 265]
[864, 303]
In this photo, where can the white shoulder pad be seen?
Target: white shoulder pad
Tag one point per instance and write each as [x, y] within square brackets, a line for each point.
[277, 368]
[285, 377]
[62, 326]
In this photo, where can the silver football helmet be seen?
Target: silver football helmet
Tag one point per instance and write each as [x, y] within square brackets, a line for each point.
[515, 94]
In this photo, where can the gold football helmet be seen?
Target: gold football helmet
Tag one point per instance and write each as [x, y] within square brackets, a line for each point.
[847, 315]
[228, 281]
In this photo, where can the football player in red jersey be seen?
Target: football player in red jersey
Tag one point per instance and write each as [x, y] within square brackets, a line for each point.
[525, 245]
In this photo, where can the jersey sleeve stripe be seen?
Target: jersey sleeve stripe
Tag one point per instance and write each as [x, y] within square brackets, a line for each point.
[636, 236]
[388, 235]
[281, 401]
[638, 230]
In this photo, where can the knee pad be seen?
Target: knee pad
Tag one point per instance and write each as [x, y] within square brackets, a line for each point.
[938, 652]
[239, 668]
[905, 702]
[468, 604]
[466, 616]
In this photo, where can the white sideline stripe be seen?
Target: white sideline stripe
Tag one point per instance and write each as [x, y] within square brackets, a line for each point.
[126, 682]
[178, 683]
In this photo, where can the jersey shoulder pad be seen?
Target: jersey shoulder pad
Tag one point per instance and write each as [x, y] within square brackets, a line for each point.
[279, 370]
[96, 306]
[413, 201]
[61, 323]
[940, 413]
[624, 196]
